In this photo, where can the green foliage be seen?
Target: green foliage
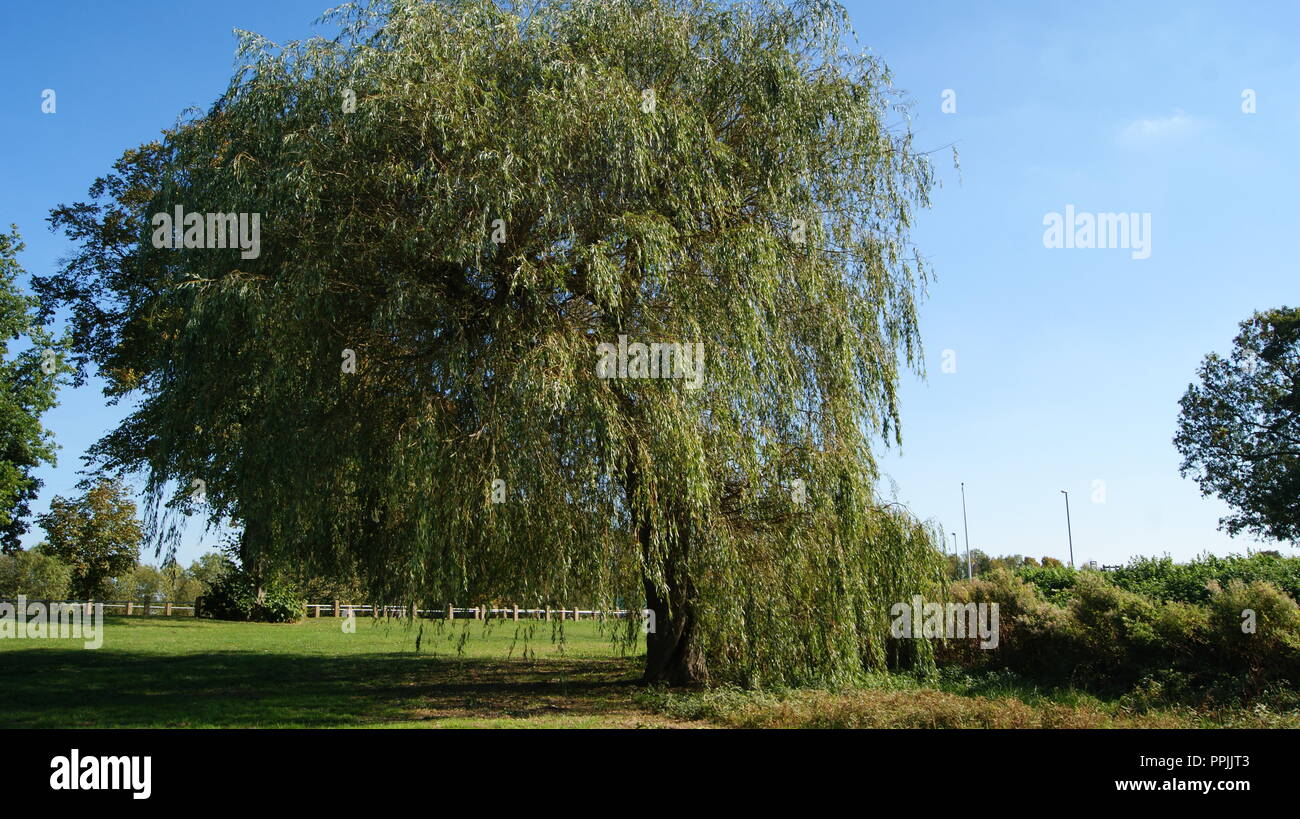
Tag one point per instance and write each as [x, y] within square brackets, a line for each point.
[208, 569]
[1163, 579]
[28, 387]
[761, 207]
[32, 573]
[1264, 644]
[1239, 429]
[179, 584]
[1055, 583]
[96, 534]
[982, 563]
[315, 588]
[235, 596]
[141, 583]
[1025, 623]
[1111, 633]
[1112, 640]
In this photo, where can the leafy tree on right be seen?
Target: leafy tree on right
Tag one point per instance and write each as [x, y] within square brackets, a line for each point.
[1239, 430]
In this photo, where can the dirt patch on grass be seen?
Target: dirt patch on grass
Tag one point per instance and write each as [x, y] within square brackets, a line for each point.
[583, 693]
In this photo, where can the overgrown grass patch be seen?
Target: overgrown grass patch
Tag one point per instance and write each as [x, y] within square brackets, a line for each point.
[951, 699]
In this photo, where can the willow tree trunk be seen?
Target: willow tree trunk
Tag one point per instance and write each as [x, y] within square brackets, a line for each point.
[250, 558]
[672, 654]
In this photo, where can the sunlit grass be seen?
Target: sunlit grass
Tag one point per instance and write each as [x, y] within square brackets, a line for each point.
[181, 672]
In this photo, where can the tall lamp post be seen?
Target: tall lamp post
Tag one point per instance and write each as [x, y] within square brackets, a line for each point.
[1068, 531]
[965, 528]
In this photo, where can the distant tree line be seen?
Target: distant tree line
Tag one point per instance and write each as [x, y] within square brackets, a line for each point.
[981, 563]
[38, 574]
[92, 552]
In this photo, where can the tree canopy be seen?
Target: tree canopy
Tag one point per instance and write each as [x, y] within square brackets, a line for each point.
[1239, 429]
[460, 203]
[34, 574]
[28, 389]
[97, 535]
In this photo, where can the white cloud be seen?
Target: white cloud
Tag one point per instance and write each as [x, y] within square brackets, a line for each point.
[1159, 129]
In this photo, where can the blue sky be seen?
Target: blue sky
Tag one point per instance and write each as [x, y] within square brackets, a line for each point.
[1069, 362]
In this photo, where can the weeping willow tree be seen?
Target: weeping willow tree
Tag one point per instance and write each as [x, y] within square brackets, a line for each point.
[464, 207]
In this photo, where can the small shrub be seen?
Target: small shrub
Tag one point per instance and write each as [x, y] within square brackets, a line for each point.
[1029, 628]
[234, 597]
[1115, 628]
[1184, 629]
[1263, 646]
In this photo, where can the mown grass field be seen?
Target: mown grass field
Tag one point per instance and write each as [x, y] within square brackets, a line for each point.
[180, 672]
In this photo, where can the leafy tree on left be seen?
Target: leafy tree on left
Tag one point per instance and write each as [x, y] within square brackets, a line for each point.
[28, 389]
[97, 534]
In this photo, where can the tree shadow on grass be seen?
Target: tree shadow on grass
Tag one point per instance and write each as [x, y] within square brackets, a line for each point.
[77, 688]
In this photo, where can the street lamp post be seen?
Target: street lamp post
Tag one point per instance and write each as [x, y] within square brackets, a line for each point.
[965, 528]
[1068, 531]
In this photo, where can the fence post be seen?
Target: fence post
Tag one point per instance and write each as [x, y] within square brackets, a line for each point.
[336, 608]
[415, 612]
[548, 612]
[90, 608]
[451, 612]
[129, 606]
[516, 613]
[167, 608]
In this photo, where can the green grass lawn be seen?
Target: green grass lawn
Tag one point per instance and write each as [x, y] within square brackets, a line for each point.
[182, 672]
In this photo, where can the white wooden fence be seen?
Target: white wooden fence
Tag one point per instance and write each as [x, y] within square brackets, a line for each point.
[130, 607]
[170, 608]
[337, 609]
